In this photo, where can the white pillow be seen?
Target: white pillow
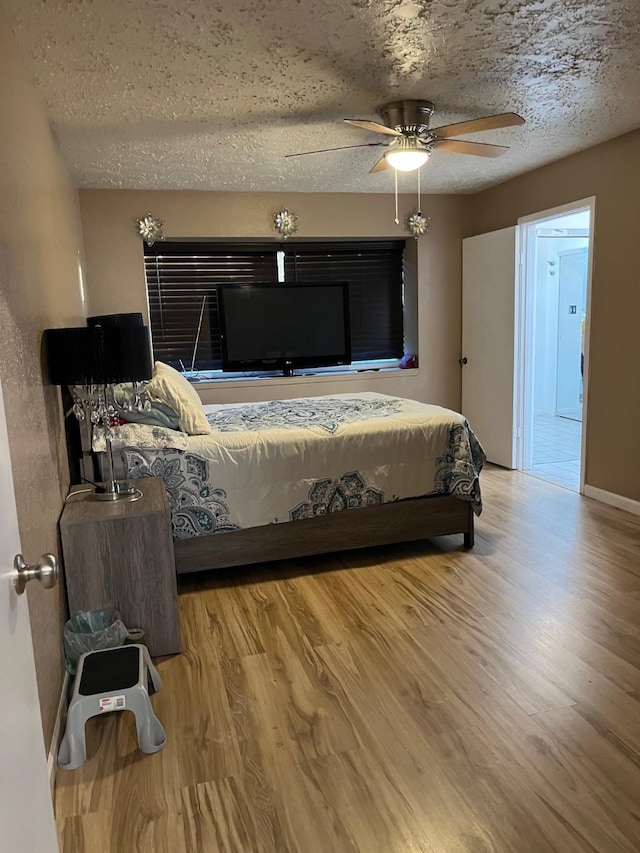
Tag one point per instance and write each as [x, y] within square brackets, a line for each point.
[170, 387]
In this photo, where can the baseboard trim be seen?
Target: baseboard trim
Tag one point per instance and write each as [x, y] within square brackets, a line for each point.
[619, 501]
[56, 737]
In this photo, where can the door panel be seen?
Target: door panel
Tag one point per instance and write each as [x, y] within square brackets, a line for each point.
[572, 288]
[26, 813]
[488, 341]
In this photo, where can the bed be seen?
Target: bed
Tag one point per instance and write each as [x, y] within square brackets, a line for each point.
[289, 478]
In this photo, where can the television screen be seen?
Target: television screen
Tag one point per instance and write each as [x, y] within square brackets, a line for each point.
[284, 326]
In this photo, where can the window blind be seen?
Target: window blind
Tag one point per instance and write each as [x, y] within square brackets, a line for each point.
[181, 282]
[182, 278]
[374, 272]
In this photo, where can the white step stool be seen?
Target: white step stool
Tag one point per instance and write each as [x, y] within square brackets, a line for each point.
[112, 680]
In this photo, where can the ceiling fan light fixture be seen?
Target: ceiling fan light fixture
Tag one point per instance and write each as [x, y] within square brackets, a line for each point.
[406, 159]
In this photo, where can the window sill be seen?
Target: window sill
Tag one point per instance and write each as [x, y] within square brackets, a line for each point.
[365, 374]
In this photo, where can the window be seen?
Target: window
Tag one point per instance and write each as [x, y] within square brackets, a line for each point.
[374, 273]
[183, 300]
[183, 306]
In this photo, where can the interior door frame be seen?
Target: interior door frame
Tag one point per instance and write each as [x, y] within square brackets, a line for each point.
[525, 240]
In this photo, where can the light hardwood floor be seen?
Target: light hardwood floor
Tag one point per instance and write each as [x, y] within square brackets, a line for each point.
[402, 699]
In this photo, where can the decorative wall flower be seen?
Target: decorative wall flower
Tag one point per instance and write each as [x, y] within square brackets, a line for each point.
[285, 223]
[417, 224]
[150, 229]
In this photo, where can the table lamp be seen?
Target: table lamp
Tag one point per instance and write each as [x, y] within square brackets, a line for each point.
[91, 360]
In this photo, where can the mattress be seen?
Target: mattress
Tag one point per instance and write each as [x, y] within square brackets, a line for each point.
[284, 460]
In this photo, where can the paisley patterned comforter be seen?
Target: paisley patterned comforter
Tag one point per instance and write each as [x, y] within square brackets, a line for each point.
[266, 463]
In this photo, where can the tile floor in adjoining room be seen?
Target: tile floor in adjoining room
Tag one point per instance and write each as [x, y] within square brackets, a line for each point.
[556, 450]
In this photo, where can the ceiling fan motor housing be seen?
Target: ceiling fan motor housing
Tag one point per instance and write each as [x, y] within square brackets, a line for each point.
[407, 116]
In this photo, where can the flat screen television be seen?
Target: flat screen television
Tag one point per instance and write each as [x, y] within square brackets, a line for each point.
[273, 326]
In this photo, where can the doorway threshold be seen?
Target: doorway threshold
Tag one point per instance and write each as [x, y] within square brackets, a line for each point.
[565, 474]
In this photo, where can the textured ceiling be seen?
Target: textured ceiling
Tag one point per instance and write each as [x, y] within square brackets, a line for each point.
[211, 94]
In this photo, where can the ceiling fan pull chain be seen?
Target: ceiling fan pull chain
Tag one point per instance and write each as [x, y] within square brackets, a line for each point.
[419, 206]
[395, 175]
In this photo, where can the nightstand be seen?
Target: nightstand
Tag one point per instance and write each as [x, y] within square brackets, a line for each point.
[121, 555]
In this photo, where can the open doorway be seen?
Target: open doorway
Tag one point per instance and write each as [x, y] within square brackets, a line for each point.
[554, 319]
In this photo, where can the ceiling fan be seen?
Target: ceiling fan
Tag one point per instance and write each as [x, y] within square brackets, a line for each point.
[413, 140]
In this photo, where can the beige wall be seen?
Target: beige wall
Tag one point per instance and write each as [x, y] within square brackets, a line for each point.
[40, 253]
[115, 273]
[611, 172]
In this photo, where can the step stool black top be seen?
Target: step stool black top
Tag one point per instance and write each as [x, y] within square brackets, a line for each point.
[113, 669]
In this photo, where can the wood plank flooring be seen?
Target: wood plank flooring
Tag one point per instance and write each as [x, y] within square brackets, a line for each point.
[407, 699]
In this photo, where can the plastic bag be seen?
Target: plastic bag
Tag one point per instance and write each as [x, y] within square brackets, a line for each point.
[90, 631]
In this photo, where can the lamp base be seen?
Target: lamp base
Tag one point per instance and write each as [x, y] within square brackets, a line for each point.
[117, 490]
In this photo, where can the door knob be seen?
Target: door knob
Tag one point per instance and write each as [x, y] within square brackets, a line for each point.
[463, 360]
[45, 570]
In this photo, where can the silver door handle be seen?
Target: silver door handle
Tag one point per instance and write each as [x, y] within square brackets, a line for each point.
[45, 570]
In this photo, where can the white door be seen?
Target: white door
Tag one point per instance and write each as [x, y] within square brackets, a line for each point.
[488, 341]
[26, 813]
[572, 308]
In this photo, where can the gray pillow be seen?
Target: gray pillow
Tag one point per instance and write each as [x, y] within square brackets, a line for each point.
[160, 414]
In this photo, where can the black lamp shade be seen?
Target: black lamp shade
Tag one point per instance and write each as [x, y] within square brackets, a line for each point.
[98, 355]
[122, 354]
[68, 355]
[120, 320]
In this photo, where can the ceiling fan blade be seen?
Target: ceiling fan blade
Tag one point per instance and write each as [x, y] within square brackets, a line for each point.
[461, 146]
[380, 166]
[475, 125]
[375, 126]
[340, 148]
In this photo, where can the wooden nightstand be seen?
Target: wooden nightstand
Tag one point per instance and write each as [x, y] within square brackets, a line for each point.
[121, 555]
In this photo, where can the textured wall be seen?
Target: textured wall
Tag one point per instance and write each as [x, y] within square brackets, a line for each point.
[611, 172]
[115, 272]
[40, 246]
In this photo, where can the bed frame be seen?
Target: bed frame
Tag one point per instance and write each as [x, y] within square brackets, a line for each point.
[400, 521]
